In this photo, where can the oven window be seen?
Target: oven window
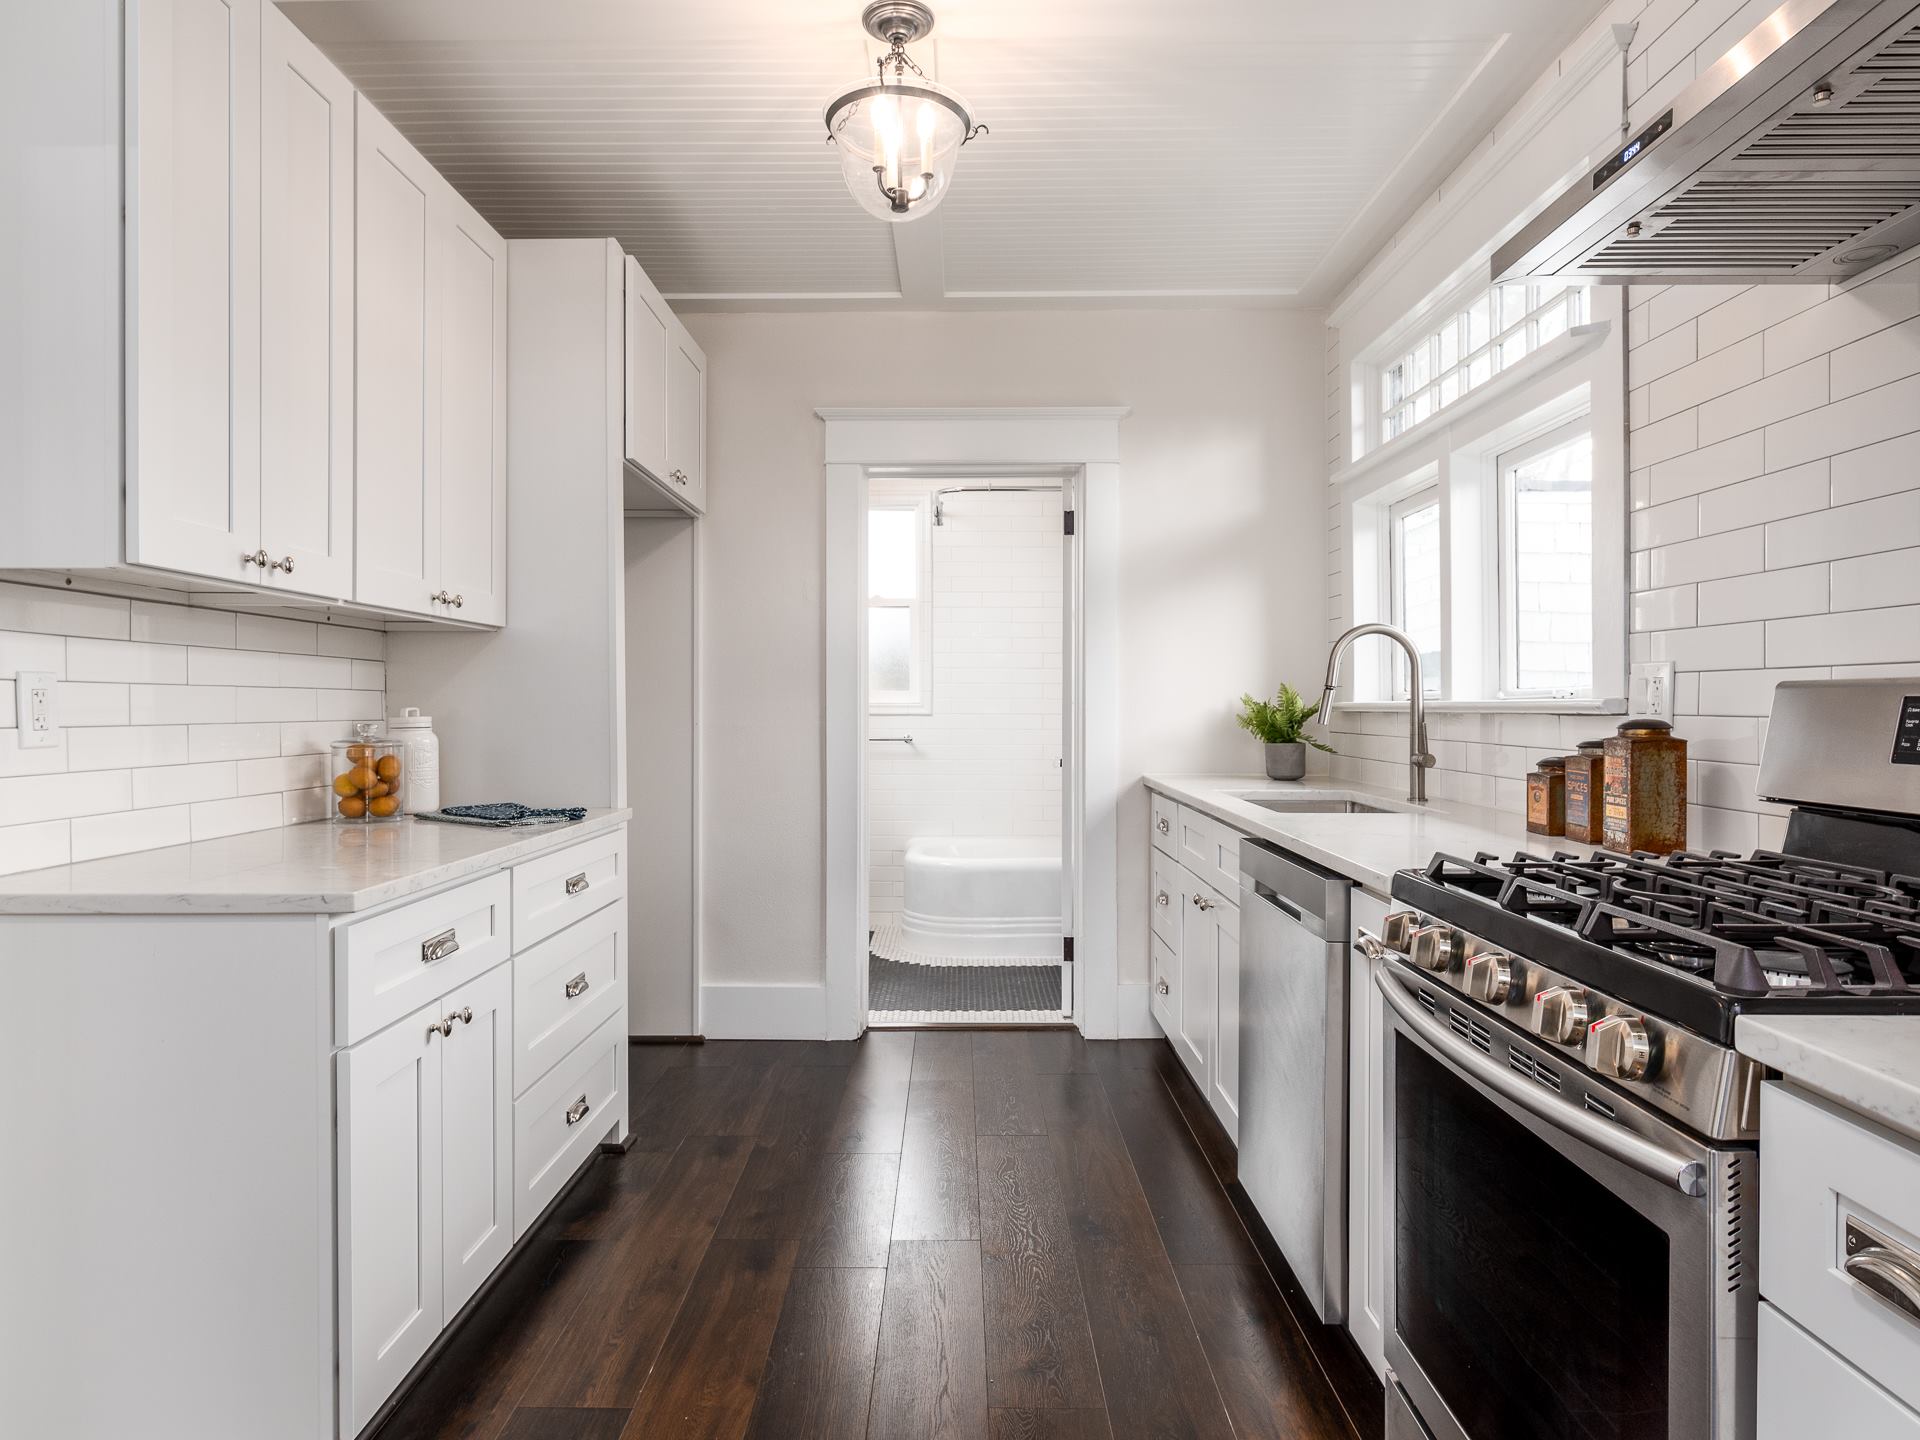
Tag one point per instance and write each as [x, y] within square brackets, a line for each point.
[1533, 1298]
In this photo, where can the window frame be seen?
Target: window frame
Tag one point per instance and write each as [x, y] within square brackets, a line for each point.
[917, 699]
[1505, 636]
[1398, 676]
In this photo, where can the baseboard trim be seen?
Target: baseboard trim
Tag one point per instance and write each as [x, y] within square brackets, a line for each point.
[763, 1012]
[1134, 1013]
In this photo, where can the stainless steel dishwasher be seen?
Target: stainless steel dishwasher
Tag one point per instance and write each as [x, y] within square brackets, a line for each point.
[1293, 1064]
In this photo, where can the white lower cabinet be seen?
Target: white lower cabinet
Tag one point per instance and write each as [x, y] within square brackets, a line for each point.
[476, 1135]
[560, 1119]
[1806, 1389]
[1368, 1255]
[1223, 1090]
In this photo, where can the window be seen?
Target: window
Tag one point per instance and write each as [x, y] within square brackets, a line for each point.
[1413, 541]
[899, 579]
[1470, 345]
[1546, 564]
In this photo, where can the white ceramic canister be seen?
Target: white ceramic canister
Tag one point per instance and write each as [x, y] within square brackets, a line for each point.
[415, 731]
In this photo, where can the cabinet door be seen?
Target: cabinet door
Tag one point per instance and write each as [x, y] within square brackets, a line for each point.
[650, 340]
[396, 379]
[193, 286]
[1199, 1001]
[306, 315]
[1224, 1094]
[687, 419]
[1367, 1254]
[473, 413]
[476, 1106]
[391, 1257]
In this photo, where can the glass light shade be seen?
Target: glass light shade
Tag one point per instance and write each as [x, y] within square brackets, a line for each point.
[896, 137]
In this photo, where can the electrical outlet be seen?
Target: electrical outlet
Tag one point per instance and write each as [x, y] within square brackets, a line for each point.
[33, 704]
[1650, 690]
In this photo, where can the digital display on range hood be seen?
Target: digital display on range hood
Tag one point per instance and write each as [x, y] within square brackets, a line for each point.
[1632, 150]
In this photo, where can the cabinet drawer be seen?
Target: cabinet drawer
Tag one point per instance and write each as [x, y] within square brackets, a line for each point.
[1820, 1169]
[1210, 850]
[1165, 817]
[550, 892]
[559, 1121]
[401, 960]
[1805, 1389]
[564, 989]
[1163, 898]
[1164, 983]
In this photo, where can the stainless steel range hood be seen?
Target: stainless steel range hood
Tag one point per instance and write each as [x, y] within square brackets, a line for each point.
[1795, 157]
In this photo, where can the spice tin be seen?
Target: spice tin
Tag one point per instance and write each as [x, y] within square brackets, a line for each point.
[1646, 789]
[1547, 797]
[1586, 784]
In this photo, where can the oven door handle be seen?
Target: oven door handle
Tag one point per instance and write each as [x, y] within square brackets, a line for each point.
[1686, 1175]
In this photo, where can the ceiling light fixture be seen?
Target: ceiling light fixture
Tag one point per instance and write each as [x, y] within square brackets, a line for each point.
[899, 134]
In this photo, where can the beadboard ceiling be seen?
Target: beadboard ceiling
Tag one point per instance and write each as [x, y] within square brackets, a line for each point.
[1252, 151]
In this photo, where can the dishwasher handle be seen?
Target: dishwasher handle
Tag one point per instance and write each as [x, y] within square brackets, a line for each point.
[1312, 897]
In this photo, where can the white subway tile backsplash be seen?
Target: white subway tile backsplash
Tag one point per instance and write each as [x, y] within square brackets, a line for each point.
[275, 703]
[28, 798]
[1747, 692]
[1712, 557]
[291, 637]
[1854, 637]
[130, 661]
[210, 819]
[180, 784]
[47, 611]
[1891, 354]
[34, 847]
[1665, 354]
[1889, 523]
[352, 705]
[285, 772]
[1769, 497]
[232, 667]
[96, 836]
[354, 643]
[1753, 310]
[1789, 392]
[1861, 419]
[1670, 609]
[1664, 439]
[87, 702]
[1714, 375]
[232, 742]
[1847, 316]
[16, 759]
[1869, 582]
[20, 650]
[1875, 470]
[369, 675]
[1667, 524]
[179, 704]
[321, 672]
[1712, 647]
[124, 747]
[1712, 465]
[1766, 596]
[182, 624]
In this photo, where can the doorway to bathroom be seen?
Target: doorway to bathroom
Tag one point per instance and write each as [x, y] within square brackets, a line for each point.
[966, 662]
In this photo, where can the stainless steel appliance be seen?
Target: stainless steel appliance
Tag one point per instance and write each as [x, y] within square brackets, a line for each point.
[1293, 1064]
[1572, 1156]
[1794, 157]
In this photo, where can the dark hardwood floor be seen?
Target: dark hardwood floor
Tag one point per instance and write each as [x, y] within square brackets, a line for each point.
[982, 1235]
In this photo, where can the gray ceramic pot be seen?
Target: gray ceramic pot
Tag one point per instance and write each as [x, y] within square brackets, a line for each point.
[1286, 762]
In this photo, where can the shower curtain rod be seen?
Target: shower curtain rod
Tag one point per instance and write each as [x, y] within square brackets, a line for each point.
[938, 495]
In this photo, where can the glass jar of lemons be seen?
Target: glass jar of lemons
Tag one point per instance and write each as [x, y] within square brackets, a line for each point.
[368, 773]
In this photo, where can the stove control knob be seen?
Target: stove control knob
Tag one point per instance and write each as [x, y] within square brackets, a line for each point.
[1620, 1048]
[1490, 977]
[1398, 929]
[1434, 947]
[1560, 1014]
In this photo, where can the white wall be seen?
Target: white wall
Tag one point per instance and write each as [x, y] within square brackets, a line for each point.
[178, 723]
[1774, 479]
[1220, 567]
[986, 760]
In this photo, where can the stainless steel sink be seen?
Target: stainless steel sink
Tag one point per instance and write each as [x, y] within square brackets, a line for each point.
[1287, 804]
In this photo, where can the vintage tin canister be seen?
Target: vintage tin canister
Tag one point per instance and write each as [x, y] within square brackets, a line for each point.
[1586, 784]
[1547, 797]
[1645, 806]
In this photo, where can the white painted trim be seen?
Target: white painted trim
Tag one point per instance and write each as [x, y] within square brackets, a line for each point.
[1136, 1020]
[1461, 190]
[763, 1012]
[858, 440]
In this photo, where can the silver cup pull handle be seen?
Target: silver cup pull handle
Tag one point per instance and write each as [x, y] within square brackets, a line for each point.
[577, 883]
[577, 986]
[438, 947]
[577, 1111]
[1885, 1269]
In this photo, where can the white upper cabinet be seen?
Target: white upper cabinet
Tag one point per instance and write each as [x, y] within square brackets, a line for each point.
[193, 286]
[306, 315]
[650, 326]
[687, 418]
[430, 417]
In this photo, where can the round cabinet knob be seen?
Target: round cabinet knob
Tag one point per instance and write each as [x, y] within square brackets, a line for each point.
[1398, 929]
[286, 564]
[1620, 1048]
[1490, 977]
[1560, 1014]
[1433, 947]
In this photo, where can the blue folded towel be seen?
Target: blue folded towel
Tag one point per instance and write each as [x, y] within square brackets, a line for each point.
[503, 815]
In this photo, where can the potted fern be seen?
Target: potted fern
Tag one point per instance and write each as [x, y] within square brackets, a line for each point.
[1279, 724]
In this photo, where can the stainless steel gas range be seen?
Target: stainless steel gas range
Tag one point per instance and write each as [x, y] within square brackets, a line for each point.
[1571, 1155]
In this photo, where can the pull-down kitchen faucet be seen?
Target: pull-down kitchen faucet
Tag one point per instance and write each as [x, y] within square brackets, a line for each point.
[1419, 761]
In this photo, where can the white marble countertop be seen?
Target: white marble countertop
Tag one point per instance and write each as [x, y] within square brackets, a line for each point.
[317, 868]
[1866, 1063]
[1365, 848]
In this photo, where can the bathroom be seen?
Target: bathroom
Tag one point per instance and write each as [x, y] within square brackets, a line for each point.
[965, 664]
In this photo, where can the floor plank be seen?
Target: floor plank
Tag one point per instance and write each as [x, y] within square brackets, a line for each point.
[930, 1372]
[820, 1370]
[704, 1383]
[1272, 1386]
[850, 1222]
[1039, 1349]
[602, 1355]
[1005, 1102]
[1050, 1425]
[939, 1197]
[942, 1055]
[565, 1425]
[1037, 1052]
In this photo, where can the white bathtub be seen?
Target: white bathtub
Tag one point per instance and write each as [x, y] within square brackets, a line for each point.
[985, 899]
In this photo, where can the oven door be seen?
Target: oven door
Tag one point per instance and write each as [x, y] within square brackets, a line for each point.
[1554, 1244]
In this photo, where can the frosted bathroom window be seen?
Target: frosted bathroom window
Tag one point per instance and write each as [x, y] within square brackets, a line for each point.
[889, 650]
[899, 587]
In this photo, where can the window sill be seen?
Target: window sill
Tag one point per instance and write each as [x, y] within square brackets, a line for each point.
[1489, 707]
